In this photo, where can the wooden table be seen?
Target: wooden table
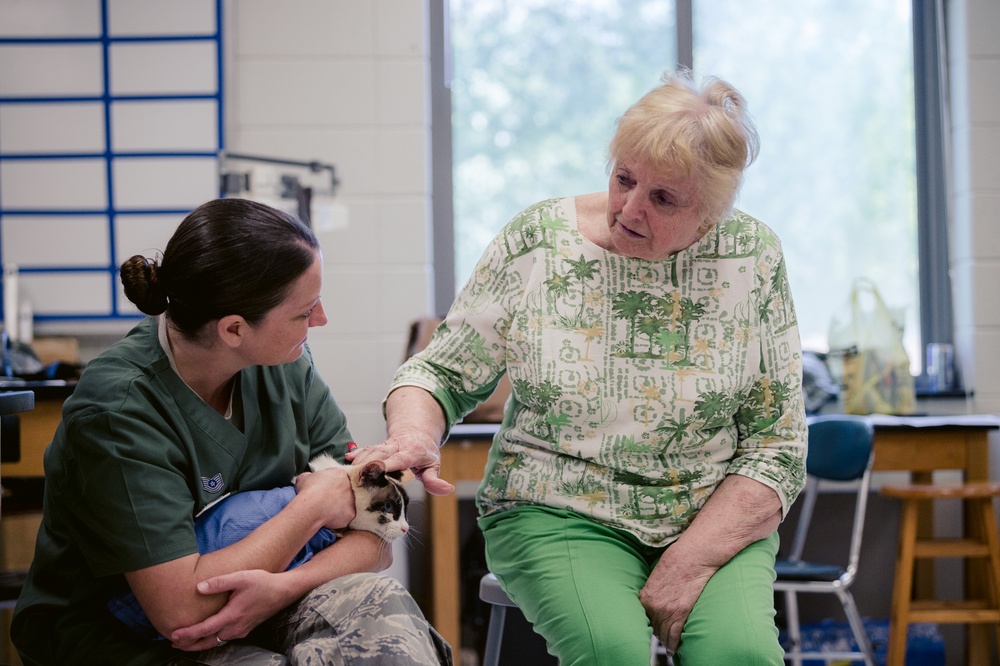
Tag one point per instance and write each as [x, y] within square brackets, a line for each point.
[38, 425]
[16, 402]
[918, 445]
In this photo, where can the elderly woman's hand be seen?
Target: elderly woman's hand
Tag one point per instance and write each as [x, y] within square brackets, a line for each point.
[408, 449]
[739, 512]
[415, 423]
[670, 593]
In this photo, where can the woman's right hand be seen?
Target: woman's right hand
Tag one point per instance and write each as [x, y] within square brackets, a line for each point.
[331, 489]
[408, 449]
[415, 424]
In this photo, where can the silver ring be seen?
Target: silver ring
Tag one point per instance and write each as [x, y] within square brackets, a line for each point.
[220, 641]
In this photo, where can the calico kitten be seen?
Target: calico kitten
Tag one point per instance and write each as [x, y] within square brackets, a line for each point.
[379, 497]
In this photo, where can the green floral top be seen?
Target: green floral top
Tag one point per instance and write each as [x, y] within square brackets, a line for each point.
[637, 386]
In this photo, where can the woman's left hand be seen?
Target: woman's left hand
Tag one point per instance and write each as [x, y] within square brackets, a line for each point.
[669, 595]
[254, 596]
[739, 512]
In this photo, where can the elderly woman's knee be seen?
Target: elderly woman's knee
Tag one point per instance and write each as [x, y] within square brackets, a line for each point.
[596, 646]
[726, 649]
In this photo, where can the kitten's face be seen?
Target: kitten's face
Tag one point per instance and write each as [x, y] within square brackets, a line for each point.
[384, 510]
[379, 497]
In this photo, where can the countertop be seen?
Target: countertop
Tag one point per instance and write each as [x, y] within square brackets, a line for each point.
[46, 389]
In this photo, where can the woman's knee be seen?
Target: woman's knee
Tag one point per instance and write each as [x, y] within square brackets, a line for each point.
[733, 620]
[601, 639]
[364, 616]
[362, 594]
[728, 648]
[602, 649]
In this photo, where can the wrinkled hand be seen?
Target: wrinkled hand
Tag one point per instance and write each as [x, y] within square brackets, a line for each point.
[255, 595]
[669, 595]
[408, 450]
[334, 485]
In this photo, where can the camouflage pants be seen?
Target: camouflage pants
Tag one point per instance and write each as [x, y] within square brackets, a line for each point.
[359, 619]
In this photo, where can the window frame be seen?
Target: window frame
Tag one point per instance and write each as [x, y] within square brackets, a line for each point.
[932, 159]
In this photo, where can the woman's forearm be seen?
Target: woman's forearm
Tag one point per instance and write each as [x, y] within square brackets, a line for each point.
[410, 409]
[253, 596]
[167, 592]
[739, 512]
[353, 552]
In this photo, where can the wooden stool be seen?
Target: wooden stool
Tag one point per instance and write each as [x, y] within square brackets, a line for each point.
[981, 541]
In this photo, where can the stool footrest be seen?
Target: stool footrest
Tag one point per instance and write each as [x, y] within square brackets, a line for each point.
[950, 548]
[973, 490]
[972, 611]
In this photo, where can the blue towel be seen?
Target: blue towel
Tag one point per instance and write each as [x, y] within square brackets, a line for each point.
[224, 524]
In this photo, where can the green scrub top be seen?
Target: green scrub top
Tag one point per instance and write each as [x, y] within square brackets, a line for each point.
[137, 456]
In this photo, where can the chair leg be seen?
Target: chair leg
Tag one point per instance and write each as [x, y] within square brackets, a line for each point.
[494, 636]
[902, 586]
[656, 649]
[794, 629]
[857, 626]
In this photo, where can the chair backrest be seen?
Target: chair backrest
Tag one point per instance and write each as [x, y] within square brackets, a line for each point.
[840, 449]
[840, 446]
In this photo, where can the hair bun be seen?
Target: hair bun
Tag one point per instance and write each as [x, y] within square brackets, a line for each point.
[138, 276]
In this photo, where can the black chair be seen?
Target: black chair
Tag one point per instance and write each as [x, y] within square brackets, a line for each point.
[840, 450]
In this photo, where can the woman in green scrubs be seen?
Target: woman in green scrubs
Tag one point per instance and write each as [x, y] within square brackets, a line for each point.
[214, 393]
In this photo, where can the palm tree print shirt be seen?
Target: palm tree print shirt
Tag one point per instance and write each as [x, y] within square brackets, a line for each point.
[637, 385]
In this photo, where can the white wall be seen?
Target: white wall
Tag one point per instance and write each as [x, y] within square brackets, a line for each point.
[974, 68]
[974, 72]
[346, 83]
[90, 172]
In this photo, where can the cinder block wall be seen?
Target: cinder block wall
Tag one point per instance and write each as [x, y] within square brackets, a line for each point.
[347, 83]
[974, 71]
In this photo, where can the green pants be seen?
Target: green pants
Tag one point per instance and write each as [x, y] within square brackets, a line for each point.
[577, 581]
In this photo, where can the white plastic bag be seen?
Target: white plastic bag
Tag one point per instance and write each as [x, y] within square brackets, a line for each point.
[876, 368]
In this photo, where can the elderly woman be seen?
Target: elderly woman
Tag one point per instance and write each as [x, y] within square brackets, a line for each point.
[213, 395]
[655, 435]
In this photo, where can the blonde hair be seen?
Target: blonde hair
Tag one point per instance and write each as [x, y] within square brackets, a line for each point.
[687, 131]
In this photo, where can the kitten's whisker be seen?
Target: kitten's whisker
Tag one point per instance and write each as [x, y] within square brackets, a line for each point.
[413, 536]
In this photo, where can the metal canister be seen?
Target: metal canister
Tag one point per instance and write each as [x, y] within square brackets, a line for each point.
[940, 366]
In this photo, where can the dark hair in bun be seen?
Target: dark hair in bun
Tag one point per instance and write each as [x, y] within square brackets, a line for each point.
[138, 276]
[228, 256]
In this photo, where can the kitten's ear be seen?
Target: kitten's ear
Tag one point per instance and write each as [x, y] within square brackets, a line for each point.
[373, 473]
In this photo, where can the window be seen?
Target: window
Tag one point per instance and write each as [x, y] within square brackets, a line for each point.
[535, 87]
